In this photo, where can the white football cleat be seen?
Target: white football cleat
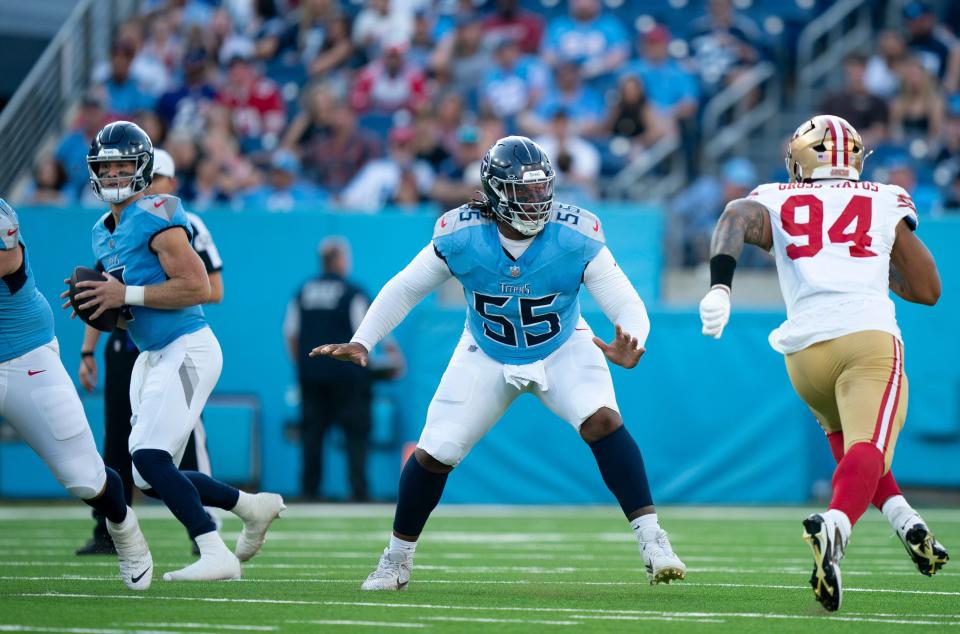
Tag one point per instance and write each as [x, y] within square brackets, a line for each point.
[662, 564]
[927, 553]
[133, 554]
[392, 573]
[828, 545]
[216, 562]
[257, 512]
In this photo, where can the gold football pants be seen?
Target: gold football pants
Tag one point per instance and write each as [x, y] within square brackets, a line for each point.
[856, 384]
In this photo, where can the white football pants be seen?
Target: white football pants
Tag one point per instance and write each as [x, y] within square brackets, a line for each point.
[573, 382]
[40, 402]
[168, 391]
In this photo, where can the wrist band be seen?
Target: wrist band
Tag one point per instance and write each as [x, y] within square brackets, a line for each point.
[86, 353]
[722, 267]
[133, 296]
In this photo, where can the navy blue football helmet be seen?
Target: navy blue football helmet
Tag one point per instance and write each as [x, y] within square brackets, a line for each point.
[120, 141]
[517, 180]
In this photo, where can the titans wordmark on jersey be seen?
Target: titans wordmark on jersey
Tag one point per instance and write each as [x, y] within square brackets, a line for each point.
[520, 310]
[126, 252]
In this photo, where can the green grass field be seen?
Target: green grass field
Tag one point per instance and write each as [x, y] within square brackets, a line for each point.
[478, 569]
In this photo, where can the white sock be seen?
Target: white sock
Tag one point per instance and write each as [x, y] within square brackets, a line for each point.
[244, 505]
[899, 512]
[211, 544]
[644, 522]
[842, 521]
[397, 544]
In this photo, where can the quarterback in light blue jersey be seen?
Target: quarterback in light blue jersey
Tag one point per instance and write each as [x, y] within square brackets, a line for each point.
[157, 279]
[38, 399]
[521, 259]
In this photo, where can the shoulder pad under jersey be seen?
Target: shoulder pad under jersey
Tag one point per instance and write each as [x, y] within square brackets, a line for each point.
[585, 222]
[9, 227]
[163, 206]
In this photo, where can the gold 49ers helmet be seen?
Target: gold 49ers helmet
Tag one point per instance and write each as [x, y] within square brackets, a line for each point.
[825, 147]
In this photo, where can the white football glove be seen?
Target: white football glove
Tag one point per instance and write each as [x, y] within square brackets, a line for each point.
[715, 311]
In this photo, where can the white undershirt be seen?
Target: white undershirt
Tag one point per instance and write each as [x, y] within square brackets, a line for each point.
[515, 247]
[604, 280]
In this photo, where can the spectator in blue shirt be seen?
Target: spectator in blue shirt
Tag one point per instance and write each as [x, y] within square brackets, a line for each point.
[724, 44]
[515, 84]
[670, 87]
[72, 150]
[284, 191]
[124, 96]
[584, 106]
[597, 42]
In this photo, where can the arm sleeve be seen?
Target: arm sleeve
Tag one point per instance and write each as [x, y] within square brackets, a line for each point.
[616, 296]
[398, 297]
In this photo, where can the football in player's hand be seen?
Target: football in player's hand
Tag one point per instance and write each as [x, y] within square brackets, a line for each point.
[106, 321]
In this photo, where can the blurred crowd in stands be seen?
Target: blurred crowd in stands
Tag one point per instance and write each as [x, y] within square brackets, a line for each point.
[360, 104]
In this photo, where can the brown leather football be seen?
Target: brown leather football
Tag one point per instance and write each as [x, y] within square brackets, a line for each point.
[105, 322]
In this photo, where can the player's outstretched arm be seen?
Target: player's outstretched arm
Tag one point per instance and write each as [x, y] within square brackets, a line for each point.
[394, 302]
[743, 221]
[913, 271]
[621, 303]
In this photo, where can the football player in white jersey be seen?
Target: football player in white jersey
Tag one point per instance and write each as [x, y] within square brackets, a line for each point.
[38, 399]
[521, 259]
[839, 244]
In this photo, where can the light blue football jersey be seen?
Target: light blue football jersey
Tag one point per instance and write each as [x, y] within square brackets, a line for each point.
[520, 311]
[124, 252]
[26, 321]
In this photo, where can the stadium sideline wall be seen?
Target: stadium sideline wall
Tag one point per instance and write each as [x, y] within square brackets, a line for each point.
[717, 420]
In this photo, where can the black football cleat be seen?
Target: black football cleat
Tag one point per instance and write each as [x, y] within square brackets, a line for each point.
[98, 545]
[926, 552]
[827, 546]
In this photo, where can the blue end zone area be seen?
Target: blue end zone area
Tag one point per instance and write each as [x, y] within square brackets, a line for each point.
[717, 421]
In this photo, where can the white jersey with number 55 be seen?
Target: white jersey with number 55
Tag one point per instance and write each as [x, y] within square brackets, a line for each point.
[832, 241]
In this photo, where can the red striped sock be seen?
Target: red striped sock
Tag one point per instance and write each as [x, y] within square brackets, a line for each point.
[855, 480]
[887, 487]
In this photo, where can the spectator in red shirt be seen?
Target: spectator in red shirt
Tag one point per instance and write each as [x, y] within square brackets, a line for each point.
[511, 22]
[256, 106]
[389, 83]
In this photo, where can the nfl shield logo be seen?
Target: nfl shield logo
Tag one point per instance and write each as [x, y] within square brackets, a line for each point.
[514, 271]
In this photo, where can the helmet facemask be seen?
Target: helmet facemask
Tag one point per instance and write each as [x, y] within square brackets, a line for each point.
[117, 189]
[524, 204]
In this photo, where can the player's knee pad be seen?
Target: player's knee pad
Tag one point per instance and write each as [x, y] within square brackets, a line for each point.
[446, 453]
[84, 492]
[83, 476]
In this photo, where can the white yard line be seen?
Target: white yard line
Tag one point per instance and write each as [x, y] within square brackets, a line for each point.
[200, 626]
[569, 613]
[363, 623]
[84, 630]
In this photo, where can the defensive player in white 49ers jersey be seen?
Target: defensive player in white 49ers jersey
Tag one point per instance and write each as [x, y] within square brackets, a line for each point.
[839, 244]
